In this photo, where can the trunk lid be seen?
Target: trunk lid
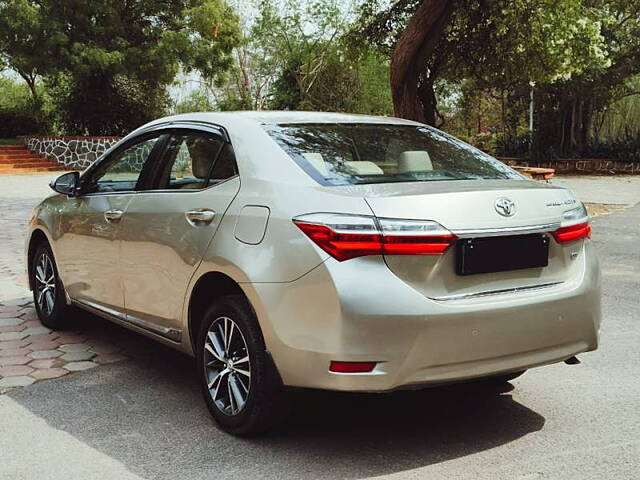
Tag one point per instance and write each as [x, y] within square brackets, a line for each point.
[467, 208]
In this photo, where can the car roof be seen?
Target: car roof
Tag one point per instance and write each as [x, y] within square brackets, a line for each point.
[230, 119]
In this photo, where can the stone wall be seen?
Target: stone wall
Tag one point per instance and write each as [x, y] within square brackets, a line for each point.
[76, 153]
[581, 165]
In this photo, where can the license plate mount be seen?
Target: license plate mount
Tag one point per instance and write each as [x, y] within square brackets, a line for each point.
[501, 254]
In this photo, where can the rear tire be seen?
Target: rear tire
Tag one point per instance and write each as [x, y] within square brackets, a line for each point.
[239, 380]
[48, 291]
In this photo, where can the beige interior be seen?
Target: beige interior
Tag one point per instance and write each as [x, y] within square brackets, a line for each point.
[414, 161]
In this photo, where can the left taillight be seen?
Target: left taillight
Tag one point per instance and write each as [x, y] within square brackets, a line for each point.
[349, 236]
[575, 226]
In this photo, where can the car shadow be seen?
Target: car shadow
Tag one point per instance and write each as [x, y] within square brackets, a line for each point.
[147, 413]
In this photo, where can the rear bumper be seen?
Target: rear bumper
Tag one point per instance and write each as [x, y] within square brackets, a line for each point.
[365, 313]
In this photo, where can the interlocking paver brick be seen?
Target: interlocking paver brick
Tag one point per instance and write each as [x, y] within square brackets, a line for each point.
[74, 347]
[42, 354]
[30, 316]
[47, 373]
[21, 381]
[77, 356]
[79, 366]
[19, 360]
[44, 345]
[37, 331]
[12, 336]
[5, 322]
[69, 338]
[32, 323]
[16, 302]
[107, 358]
[43, 336]
[12, 328]
[8, 314]
[13, 344]
[47, 363]
[15, 370]
[14, 352]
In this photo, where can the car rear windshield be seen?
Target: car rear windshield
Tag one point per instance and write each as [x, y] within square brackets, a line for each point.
[347, 154]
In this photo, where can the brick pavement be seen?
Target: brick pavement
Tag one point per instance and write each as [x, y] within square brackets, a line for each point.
[30, 352]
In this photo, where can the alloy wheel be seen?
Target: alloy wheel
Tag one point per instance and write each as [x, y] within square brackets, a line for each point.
[227, 366]
[45, 277]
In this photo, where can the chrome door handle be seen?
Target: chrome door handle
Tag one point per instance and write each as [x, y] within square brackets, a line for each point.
[201, 216]
[113, 215]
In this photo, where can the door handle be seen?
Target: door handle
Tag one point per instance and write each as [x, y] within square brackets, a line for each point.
[201, 216]
[113, 215]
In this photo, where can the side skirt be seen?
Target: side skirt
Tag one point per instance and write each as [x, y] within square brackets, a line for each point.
[171, 334]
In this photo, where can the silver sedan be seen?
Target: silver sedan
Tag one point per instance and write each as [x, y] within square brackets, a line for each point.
[316, 250]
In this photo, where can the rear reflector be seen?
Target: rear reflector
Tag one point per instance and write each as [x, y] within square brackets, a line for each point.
[351, 367]
[349, 236]
[572, 233]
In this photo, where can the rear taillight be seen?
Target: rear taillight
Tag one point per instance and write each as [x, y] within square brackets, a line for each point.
[575, 226]
[572, 233]
[349, 236]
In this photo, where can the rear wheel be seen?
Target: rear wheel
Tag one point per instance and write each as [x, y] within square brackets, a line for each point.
[240, 383]
[48, 292]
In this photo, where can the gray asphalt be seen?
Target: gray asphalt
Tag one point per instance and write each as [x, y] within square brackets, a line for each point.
[144, 418]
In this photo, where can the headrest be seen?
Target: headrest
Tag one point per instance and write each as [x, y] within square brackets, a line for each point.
[414, 161]
[317, 162]
[203, 152]
[364, 168]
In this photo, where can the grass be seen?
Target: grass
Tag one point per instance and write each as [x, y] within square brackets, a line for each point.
[9, 141]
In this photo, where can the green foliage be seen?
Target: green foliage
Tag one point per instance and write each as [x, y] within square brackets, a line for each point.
[105, 105]
[577, 53]
[19, 114]
[103, 58]
[196, 101]
[307, 63]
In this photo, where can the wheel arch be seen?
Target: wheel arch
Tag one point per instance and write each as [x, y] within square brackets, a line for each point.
[208, 288]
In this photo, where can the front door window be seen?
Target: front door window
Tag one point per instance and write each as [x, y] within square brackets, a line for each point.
[121, 171]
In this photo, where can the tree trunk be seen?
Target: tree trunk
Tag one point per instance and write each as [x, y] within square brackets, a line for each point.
[31, 83]
[427, 99]
[417, 42]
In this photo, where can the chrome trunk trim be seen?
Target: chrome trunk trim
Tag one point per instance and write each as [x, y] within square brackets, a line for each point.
[169, 333]
[496, 232]
[465, 296]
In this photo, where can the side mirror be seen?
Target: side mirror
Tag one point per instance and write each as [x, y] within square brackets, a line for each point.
[67, 184]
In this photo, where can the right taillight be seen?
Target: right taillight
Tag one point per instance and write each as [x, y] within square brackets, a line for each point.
[349, 236]
[575, 226]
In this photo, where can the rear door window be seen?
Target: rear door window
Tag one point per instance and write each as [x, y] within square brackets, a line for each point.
[196, 160]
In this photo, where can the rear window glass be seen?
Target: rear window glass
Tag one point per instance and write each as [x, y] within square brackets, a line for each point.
[347, 154]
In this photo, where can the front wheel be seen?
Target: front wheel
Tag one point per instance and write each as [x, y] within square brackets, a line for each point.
[240, 383]
[48, 292]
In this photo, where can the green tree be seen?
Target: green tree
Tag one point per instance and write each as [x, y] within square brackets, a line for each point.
[110, 62]
[498, 42]
[296, 56]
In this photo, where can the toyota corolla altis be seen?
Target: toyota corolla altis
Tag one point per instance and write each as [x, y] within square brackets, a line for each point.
[316, 250]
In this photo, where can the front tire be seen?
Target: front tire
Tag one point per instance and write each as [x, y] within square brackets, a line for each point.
[239, 381]
[48, 291]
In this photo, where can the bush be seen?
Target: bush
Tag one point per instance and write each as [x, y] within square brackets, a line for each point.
[17, 122]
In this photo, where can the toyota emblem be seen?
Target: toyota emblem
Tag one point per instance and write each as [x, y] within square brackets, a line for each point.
[505, 207]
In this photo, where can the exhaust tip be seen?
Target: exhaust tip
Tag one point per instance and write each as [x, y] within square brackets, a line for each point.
[572, 361]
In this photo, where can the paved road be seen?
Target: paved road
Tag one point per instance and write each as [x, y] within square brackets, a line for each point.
[144, 418]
